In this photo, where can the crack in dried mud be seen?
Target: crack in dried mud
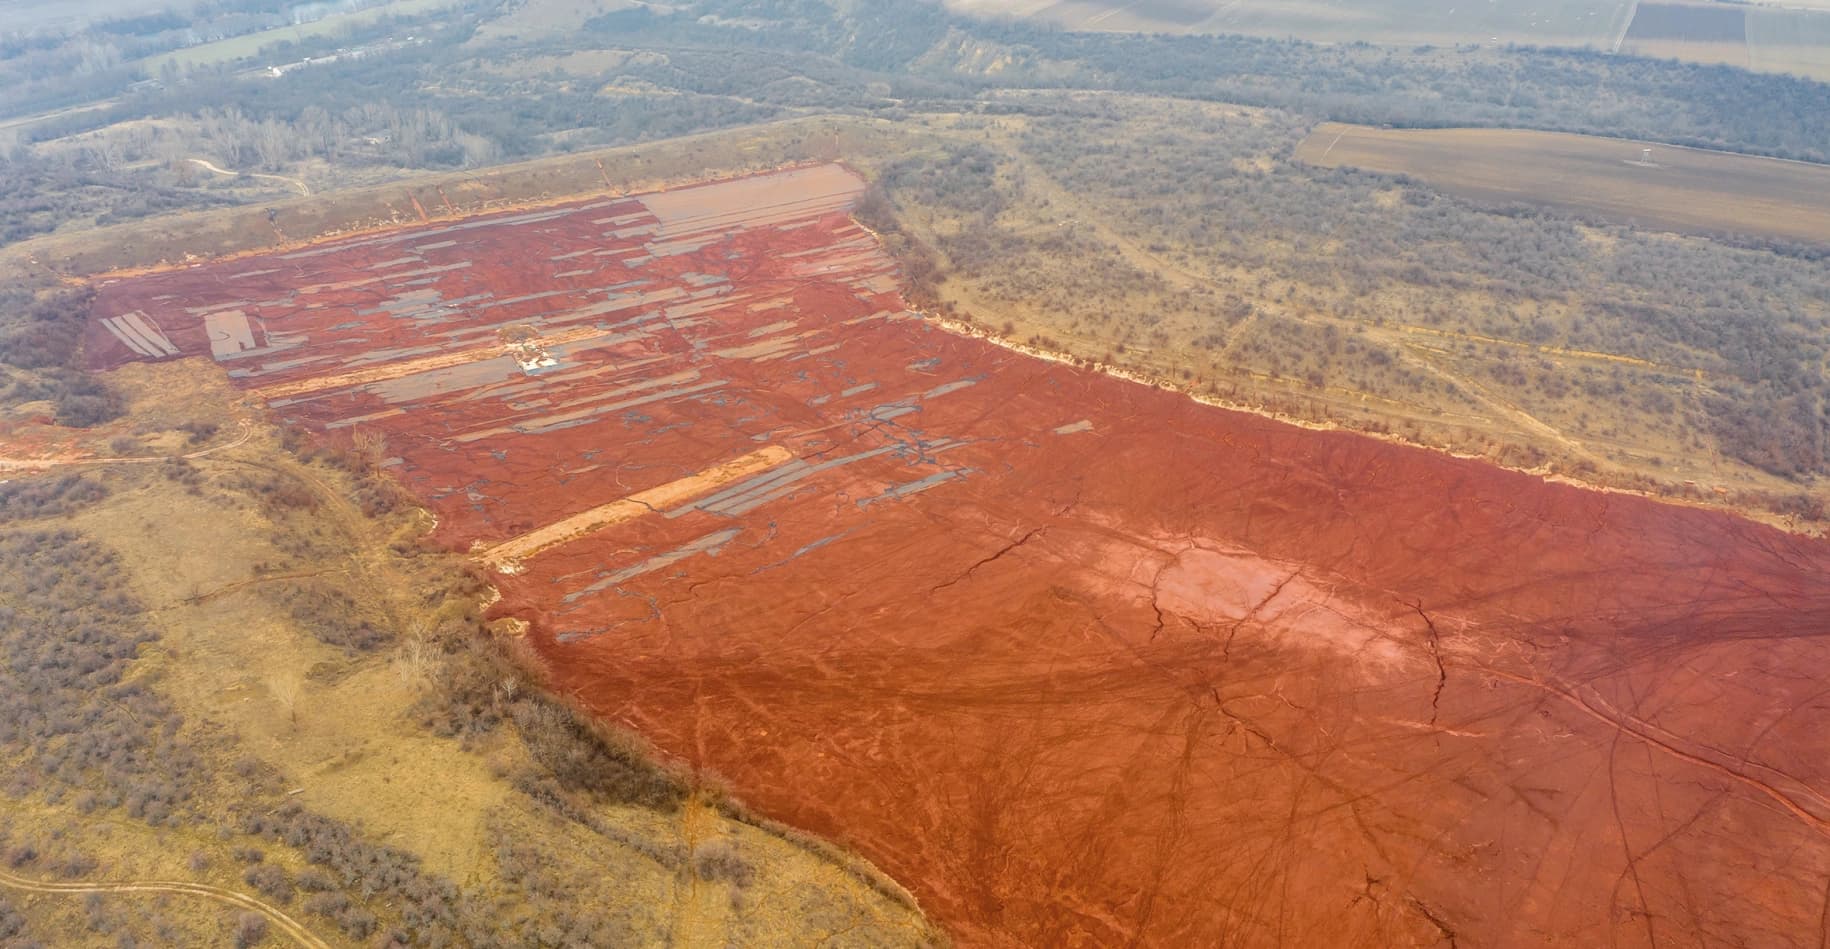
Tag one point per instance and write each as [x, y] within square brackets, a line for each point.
[1442, 671]
[1001, 552]
[1171, 693]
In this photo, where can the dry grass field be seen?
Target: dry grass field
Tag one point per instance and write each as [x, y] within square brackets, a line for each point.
[1401, 22]
[534, 19]
[1789, 38]
[1723, 52]
[1682, 189]
[243, 47]
[1185, 244]
[1792, 37]
[32, 14]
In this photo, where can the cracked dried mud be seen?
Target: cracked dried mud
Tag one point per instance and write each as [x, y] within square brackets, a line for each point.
[1078, 661]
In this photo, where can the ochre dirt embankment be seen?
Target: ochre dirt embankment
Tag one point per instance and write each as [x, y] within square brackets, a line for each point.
[1078, 661]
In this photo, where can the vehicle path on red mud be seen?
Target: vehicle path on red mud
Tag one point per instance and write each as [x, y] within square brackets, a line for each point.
[1079, 661]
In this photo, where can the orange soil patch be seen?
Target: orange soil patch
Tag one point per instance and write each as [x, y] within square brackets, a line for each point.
[1080, 661]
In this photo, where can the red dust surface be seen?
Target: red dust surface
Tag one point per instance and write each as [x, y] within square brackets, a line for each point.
[1079, 661]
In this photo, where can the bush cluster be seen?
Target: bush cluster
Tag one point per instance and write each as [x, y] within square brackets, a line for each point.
[334, 617]
[69, 627]
[57, 496]
[12, 924]
[41, 338]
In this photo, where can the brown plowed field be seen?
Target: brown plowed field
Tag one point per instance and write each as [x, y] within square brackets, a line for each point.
[1079, 661]
[1690, 190]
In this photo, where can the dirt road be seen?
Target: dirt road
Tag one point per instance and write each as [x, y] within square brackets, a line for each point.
[211, 166]
[293, 929]
[41, 464]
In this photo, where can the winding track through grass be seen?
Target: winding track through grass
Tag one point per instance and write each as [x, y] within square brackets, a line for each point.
[39, 464]
[208, 165]
[293, 929]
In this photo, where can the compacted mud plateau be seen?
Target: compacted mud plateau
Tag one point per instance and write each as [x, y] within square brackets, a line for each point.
[1079, 661]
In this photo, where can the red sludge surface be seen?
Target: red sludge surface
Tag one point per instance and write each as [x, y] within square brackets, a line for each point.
[1078, 661]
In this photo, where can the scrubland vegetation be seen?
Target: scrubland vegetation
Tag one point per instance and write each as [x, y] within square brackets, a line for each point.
[1186, 242]
[40, 333]
[1754, 321]
[53, 497]
[175, 637]
[72, 723]
[80, 730]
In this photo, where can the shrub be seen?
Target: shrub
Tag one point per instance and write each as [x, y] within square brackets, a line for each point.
[181, 471]
[719, 860]
[271, 881]
[11, 922]
[355, 921]
[47, 332]
[199, 432]
[37, 498]
[250, 930]
[69, 720]
[84, 401]
[582, 760]
[74, 864]
[334, 617]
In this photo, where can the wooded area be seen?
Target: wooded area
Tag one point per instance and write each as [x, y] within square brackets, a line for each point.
[450, 100]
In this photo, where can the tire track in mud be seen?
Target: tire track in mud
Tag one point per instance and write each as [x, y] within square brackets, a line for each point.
[293, 929]
[1628, 725]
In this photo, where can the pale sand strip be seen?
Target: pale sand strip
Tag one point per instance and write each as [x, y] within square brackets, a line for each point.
[414, 366]
[507, 555]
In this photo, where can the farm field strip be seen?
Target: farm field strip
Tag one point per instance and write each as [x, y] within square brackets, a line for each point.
[1077, 660]
[1771, 38]
[1768, 38]
[1669, 188]
[241, 47]
[1580, 22]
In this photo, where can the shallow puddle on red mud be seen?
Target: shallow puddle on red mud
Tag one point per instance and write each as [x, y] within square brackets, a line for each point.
[1076, 660]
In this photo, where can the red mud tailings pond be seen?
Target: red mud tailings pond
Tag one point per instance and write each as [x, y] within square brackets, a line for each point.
[1079, 661]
